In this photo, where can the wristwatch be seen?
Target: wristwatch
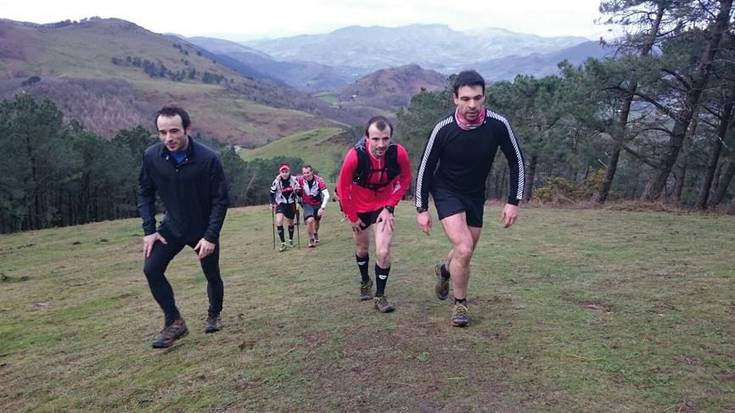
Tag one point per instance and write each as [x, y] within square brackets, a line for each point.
[389, 208]
[420, 210]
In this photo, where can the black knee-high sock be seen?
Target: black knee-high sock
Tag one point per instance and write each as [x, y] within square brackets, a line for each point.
[280, 233]
[290, 232]
[381, 278]
[362, 265]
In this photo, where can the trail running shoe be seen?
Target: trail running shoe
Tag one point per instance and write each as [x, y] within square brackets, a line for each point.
[460, 315]
[366, 290]
[283, 247]
[316, 239]
[382, 304]
[290, 243]
[312, 243]
[441, 289]
[214, 324]
[171, 333]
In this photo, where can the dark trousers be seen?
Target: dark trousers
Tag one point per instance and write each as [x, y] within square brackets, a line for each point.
[155, 266]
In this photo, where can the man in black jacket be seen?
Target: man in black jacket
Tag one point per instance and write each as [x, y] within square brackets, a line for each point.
[190, 181]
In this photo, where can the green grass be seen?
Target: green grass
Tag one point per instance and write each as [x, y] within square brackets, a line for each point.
[572, 310]
[329, 97]
[322, 148]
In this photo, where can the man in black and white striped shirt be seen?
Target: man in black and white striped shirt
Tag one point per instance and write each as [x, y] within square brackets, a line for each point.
[456, 161]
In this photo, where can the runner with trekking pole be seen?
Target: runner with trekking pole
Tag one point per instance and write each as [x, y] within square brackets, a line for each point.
[283, 195]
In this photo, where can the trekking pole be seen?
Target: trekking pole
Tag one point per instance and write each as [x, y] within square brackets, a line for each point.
[273, 226]
[298, 216]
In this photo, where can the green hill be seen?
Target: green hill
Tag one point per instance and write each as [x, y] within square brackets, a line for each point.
[572, 310]
[111, 74]
[322, 148]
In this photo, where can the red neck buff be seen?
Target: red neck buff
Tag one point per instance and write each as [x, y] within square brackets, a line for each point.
[469, 125]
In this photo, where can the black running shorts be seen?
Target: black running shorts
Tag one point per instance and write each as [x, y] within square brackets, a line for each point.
[288, 210]
[369, 218]
[449, 203]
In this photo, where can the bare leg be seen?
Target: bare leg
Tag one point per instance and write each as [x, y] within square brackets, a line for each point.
[464, 239]
[310, 227]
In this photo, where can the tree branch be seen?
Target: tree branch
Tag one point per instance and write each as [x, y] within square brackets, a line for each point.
[668, 112]
[678, 77]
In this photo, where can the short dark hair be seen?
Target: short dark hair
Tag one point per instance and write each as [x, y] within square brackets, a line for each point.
[468, 78]
[170, 111]
[307, 166]
[381, 122]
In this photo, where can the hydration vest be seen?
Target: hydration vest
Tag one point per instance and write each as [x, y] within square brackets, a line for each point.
[364, 170]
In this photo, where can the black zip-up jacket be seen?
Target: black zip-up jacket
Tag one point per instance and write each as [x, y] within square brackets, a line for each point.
[194, 193]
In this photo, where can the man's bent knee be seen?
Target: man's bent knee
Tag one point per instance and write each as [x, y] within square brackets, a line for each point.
[462, 251]
[383, 254]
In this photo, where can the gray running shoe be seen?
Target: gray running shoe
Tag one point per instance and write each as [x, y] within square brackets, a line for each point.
[366, 290]
[283, 247]
[460, 315]
[441, 289]
[214, 324]
[382, 304]
[171, 333]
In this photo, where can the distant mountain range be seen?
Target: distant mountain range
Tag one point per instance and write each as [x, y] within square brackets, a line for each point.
[431, 46]
[329, 62]
[305, 75]
[540, 64]
[110, 73]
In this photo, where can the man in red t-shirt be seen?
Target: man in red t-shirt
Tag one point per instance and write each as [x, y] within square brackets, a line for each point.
[314, 196]
[374, 177]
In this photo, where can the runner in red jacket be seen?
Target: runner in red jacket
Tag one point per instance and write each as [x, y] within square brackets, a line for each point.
[374, 177]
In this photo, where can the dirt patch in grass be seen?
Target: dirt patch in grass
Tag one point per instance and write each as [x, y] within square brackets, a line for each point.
[415, 363]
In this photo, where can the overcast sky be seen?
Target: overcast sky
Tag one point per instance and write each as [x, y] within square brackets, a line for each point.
[277, 18]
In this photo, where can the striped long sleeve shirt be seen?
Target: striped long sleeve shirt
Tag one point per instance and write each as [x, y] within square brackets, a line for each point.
[459, 160]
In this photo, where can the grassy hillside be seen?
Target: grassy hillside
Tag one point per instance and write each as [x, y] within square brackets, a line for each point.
[322, 148]
[573, 310]
[92, 61]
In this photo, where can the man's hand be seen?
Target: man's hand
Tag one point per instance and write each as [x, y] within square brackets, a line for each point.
[510, 215]
[387, 220]
[204, 248]
[320, 212]
[423, 219]
[357, 226]
[148, 242]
